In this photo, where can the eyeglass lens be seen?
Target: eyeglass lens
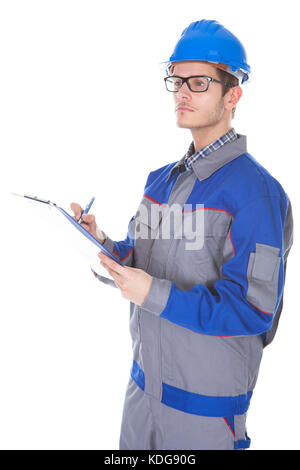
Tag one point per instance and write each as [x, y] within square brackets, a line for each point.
[196, 83]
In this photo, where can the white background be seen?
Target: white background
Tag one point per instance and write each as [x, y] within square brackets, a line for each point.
[79, 120]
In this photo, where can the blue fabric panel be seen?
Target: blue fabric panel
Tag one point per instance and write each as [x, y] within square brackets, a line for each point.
[193, 403]
[125, 246]
[230, 420]
[138, 375]
[205, 405]
[156, 188]
[242, 444]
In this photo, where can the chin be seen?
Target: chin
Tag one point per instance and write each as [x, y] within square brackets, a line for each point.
[185, 124]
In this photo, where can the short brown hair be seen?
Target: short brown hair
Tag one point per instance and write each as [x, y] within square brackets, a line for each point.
[230, 80]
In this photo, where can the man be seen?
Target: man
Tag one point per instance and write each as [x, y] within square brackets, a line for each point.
[201, 311]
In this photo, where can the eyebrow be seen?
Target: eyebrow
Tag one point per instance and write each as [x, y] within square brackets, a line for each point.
[198, 75]
[190, 76]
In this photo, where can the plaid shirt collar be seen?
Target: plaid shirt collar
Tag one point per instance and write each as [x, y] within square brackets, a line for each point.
[204, 167]
[191, 156]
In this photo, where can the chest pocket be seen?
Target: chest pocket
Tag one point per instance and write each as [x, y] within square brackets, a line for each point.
[198, 256]
[206, 222]
[146, 227]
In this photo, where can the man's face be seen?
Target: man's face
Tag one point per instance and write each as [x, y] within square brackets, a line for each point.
[198, 110]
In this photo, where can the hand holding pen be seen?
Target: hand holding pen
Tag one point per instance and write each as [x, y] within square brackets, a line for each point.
[87, 221]
[86, 210]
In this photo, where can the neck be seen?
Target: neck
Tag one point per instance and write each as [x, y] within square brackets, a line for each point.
[206, 135]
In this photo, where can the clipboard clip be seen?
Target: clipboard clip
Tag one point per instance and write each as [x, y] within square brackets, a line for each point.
[35, 198]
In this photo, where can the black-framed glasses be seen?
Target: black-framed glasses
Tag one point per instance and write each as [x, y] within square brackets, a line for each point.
[196, 83]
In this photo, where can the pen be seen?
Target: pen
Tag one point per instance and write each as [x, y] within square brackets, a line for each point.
[86, 210]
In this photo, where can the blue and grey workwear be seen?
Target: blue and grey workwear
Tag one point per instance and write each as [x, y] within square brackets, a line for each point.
[214, 302]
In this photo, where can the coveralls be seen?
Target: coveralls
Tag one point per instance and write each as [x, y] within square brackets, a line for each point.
[198, 337]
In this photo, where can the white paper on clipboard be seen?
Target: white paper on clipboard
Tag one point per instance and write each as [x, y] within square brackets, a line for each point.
[66, 230]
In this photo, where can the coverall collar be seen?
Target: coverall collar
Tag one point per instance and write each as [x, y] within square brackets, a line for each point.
[205, 166]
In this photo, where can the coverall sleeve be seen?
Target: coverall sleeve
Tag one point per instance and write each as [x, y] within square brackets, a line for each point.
[245, 298]
[123, 250]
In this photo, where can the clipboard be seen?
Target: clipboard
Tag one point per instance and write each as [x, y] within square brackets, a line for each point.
[74, 222]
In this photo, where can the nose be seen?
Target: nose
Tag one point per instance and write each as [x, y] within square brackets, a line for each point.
[183, 91]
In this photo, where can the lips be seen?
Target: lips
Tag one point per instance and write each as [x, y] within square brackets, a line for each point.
[184, 108]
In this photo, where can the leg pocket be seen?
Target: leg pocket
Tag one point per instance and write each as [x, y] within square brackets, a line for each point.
[185, 431]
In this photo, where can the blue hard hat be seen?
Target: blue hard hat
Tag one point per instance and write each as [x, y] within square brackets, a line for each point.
[208, 40]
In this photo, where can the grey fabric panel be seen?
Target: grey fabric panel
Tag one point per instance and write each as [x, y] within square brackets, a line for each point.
[184, 431]
[255, 354]
[138, 429]
[106, 280]
[265, 262]
[158, 295]
[150, 359]
[188, 268]
[148, 243]
[240, 428]
[287, 244]
[288, 230]
[143, 213]
[262, 275]
[269, 336]
[145, 231]
[208, 365]
[228, 250]
[206, 166]
[147, 424]
[134, 327]
[108, 244]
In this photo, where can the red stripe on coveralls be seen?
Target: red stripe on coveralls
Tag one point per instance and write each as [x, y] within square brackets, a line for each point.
[153, 200]
[209, 209]
[121, 259]
[229, 427]
[267, 313]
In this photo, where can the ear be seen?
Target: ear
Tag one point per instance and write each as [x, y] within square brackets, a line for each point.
[232, 97]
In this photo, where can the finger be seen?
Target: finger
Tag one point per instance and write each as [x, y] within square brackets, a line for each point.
[112, 264]
[105, 265]
[87, 227]
[77, 209]
[104, 257]
[114, 275]
[88, 218]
